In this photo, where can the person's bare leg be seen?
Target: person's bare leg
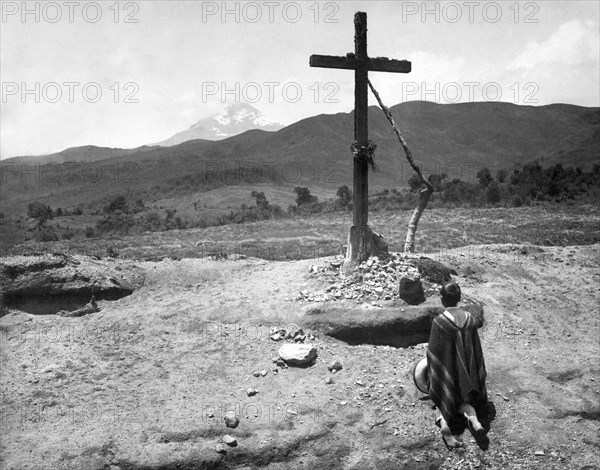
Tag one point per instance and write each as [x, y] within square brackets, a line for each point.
[450, 441]
[469, 413]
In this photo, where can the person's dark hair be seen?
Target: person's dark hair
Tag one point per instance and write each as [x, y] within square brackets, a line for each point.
[450, 294]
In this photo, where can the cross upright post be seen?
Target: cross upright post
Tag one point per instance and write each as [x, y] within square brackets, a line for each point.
[361, 240]
[361, 121]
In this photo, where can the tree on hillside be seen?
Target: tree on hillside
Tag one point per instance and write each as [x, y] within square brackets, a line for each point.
[436, 180]
[485, 177]
[501, 175]
[492, 194]
[40, 212]
[170, 213]
[343, 195]
[117, 203]
[414, 183]
[261, 200]
[303, 196]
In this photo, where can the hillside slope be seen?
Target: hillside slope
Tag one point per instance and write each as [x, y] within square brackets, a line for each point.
[457, 139]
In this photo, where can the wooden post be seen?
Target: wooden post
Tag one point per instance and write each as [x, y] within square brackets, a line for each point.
[361, 121]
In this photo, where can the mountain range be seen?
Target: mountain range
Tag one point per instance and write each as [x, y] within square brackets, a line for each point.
[457, 139]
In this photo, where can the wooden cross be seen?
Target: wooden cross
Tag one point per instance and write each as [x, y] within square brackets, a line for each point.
[361, 63]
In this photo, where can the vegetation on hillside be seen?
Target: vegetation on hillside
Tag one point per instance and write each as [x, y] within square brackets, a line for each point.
[125, 214]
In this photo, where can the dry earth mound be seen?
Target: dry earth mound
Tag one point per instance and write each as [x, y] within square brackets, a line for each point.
[49, 283]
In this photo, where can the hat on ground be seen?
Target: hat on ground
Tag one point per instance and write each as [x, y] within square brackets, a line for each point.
[421, 376]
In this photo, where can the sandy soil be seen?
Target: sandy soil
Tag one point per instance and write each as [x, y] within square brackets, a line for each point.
[144, 383]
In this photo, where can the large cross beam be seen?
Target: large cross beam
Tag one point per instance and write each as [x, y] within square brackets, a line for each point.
[361, 63]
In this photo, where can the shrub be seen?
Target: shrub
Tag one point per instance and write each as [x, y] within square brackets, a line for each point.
[151, 222]
[45, 234]
[344, 196]
[116, 223]
[112, 252]
[303, 196]
[485, 177]
[492, 194]
[117, 204]
[414, 183]
[68, 234]
[40, 212]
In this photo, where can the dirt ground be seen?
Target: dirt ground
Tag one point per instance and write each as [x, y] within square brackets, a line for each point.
[145, 382]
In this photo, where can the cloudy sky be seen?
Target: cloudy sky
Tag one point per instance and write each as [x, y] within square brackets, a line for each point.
[131, 73]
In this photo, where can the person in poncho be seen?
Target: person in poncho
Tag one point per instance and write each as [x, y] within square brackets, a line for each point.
[456, 371]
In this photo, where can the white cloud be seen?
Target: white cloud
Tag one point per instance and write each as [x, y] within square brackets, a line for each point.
[573, 44]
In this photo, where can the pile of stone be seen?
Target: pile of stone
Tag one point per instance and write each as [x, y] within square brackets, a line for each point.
[396, 277]
[298, 336]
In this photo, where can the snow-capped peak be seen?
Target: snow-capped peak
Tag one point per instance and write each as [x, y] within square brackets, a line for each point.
[233, 120]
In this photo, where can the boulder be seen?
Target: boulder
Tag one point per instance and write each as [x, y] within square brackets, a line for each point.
[297, 354]
[411, 291]
[231, 419]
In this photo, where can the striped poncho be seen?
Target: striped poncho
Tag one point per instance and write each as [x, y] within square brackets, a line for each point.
[456, 369]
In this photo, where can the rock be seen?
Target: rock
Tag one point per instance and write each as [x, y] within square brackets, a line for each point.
[251, 392]
[297, 354]
[335, 366]
[256, 374]
[329, 380]
[230, 441]
[263, 372]
[220, 448]
[540, 452]
[231, 420]
[411, 291]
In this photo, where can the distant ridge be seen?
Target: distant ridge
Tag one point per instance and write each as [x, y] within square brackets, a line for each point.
[457, 139]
